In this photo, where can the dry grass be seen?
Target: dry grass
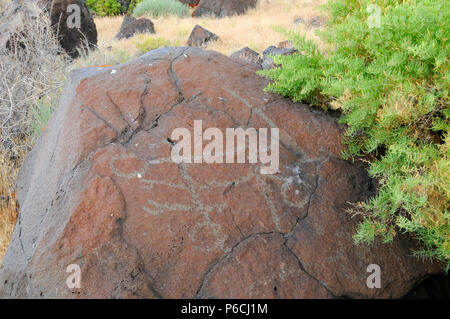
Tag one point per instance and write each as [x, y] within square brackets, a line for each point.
[3, 4]
[9, 206]
[254, 29]
[32, 73]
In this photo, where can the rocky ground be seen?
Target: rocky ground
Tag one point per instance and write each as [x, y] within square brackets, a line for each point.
[253, 30]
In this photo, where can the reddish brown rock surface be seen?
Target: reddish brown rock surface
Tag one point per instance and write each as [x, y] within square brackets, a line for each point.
[100, 190]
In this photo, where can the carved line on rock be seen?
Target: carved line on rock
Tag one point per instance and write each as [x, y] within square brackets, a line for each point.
[141, 264]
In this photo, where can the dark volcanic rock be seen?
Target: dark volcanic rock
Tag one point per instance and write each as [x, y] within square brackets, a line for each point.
[271, 51]
[298, 20]
[127, 19]
[223, 8]
[100, 190]
[133, 27]
[316, 22]
[70, 38]
[200, 37]
[435, 287]
[247, 55]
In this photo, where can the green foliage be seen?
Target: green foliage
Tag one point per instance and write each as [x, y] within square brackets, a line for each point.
[147, 43]
[391, 82]
[105, 7]
[133, 4]
[158, 8]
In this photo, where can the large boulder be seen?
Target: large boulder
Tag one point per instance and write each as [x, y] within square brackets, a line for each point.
[101, 191]
[71, 36]
[223, 8]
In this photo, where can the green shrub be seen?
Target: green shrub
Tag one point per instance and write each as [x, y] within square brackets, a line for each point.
[158, 8]
[391, 82]
[146, 43]
[105, 7]
[133, 4]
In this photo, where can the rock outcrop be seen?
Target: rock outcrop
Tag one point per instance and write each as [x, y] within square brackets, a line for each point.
[72, 36]
[100, 190]
[223, 8]
[132, 27]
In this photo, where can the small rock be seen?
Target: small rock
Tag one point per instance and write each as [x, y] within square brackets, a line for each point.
[298, 20]
[247, 55]
[134, 27]
[200, 37]
[286, 44]
[268, 62]
[316, 22]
